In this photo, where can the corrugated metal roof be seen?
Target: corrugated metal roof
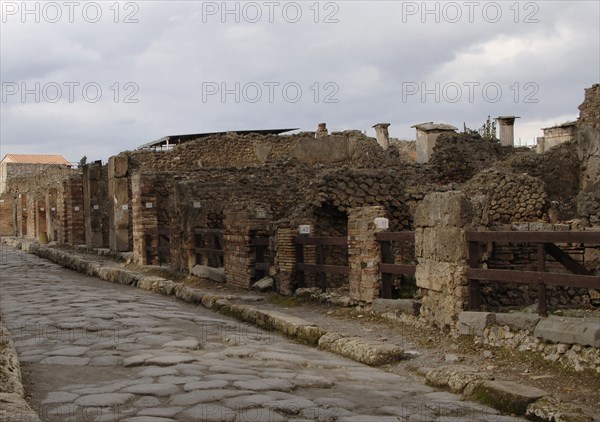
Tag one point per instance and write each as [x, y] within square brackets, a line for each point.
[35, 159]
[180, 139]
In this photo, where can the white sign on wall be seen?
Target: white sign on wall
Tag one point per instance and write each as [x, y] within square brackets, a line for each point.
[305, 229]
[197, 204]
[382, 223]
[96, 207]
[52, 209]
[76, 209]
[125, 207]
[148, 204]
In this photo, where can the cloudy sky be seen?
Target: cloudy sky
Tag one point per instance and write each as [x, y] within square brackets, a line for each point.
[96, 78]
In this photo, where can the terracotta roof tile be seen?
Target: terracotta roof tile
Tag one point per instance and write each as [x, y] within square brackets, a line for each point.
[35, 159]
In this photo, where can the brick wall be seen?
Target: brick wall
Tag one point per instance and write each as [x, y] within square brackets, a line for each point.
[7, 226]
[240, 225]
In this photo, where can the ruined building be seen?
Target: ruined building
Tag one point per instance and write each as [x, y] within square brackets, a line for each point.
[230, 206]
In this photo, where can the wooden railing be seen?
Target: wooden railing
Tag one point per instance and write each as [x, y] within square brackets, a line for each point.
[157, 243]
[546, 244]
[214, 255]
[262, 263]
[388, 267]
[319, 267]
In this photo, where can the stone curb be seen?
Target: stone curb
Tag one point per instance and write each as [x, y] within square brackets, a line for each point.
[13, 405]
[505, 396]
[302, 331]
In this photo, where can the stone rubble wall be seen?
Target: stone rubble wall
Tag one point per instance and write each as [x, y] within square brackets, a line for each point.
[573, 342]
[13, 406]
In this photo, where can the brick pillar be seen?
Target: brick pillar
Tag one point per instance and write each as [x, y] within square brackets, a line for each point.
[145, 216]
[285, 260]
[441, 221]
[51, 222]
[41, 219]
[239, 225]
[31, 216]
[74, 210]
[363, 253]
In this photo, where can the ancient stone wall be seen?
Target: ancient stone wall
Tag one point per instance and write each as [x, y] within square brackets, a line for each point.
[7, 226]
[457, 157]
[441, 221]
[96, 205]
[503, 197]
[588, 142]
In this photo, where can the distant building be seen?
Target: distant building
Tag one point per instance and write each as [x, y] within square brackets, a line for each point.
[427, 134]
[15, 165]
[556, 135]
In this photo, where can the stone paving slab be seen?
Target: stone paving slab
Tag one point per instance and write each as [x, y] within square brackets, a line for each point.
[237, 371]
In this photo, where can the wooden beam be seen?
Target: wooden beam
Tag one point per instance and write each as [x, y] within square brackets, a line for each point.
[395, 236]
[541, 267]
[305, 240]
[397, 269]
[315, 268]
[535, 237]
[564, 258]
[533, 277]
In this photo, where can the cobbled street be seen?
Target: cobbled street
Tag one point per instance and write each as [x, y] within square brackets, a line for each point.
[95, 351]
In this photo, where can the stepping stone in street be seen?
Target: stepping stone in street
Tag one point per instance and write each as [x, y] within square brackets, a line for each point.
[157, 390]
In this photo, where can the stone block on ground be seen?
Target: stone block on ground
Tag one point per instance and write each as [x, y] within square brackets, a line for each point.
[264, 284]
[552, 410]
[506, 396]
[518, 321]
[454, 377]
[214, 274]
[404, 306]
[361, 350]
[570, 331]
[474, 323]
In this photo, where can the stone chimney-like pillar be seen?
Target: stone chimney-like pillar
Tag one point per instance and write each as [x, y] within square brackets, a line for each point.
[383, 137]
[321, 131]
[507, 130]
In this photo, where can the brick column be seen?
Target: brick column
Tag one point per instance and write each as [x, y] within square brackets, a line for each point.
[363, 253]
[285, 260]
[74, 209]
[239, 225]
[441, 221]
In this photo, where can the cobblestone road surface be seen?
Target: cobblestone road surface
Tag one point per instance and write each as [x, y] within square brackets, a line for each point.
[91, 350]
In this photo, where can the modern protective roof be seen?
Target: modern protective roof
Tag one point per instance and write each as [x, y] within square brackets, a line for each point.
[180, 139]
[429, 126]
[35, 159]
